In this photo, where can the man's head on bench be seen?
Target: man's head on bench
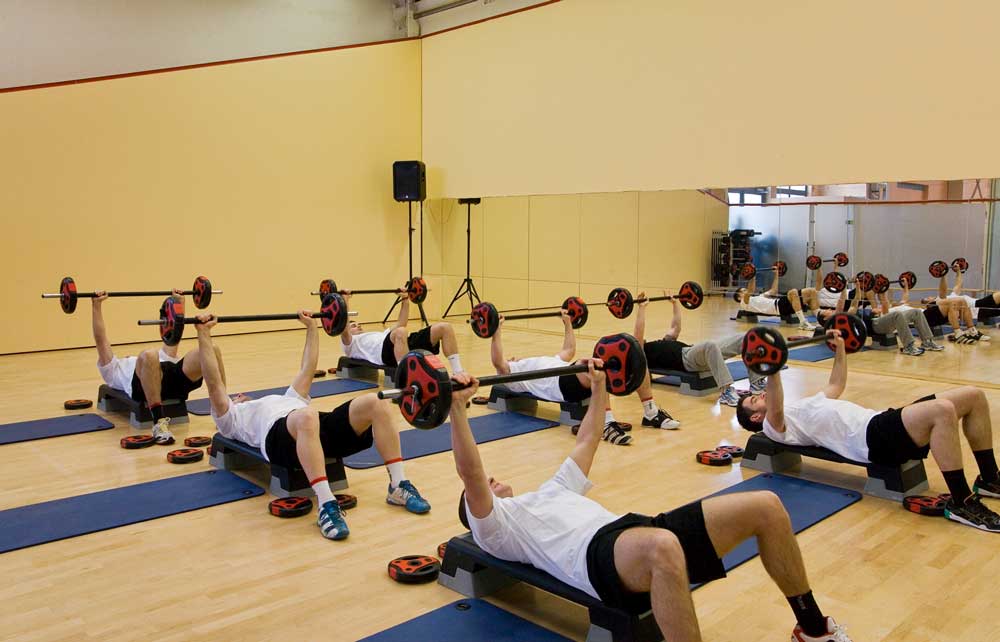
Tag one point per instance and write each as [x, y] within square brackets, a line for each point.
[353, 328]
[499, 489]
[738, 295]
[750, 411]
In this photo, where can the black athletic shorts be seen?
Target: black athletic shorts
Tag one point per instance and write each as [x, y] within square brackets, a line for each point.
[175, 384]
[335, 434]
[665, 354]
[785, 308]
[888, 442]
[686, 522]
[419, 340]
[572, 390]
[934, 316]
[987, 308]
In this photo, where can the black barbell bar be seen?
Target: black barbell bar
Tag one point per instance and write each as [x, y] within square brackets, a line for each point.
[814, 262]
[485, 318]
[765, 350]
[415, 289]
[68, 296]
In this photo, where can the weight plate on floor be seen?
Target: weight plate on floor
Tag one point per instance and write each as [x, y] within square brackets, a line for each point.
[290, 506]
[185, 455]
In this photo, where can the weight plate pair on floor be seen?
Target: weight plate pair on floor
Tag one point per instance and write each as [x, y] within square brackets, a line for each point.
[926, 505]
[721, 456]
[298, 506]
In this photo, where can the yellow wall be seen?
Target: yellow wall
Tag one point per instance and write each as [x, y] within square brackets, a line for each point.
[536, 251]
[597, 96]
[264, 176]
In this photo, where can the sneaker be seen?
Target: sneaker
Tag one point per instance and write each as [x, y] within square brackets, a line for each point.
[161, 432]
[407, 495]
[805, 325]
[622, 425]
[834, 633]
[662, 420]
[729, 397]
[986, 489]
[616, 436]
[960, 337]
[912, 349]
[758, 386]
[331, 521]
[930, 345]
[977, 335]
[972, 512]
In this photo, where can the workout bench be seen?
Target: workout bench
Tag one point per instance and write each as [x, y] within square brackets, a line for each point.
[504, 399]
[229, 454]
[114, 400]
[887, 482]
[348, 368]
[748, 317]
[883, 341]
[469, 570]
[696, 384]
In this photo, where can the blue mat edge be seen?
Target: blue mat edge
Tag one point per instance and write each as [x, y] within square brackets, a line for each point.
[380, 635]
[358, 383]
[97, 428]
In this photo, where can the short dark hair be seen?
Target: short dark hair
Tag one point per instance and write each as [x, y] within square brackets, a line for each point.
[743, 416]
[737, 296]
[463, 515]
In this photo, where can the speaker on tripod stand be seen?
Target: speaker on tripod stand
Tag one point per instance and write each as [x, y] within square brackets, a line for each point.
[409, 184]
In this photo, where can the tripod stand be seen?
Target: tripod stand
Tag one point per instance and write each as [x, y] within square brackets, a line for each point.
[420, 306]
[467, 287]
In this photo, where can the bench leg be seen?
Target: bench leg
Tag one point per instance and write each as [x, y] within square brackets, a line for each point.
[703, 387]
[777, 463]
[359, 372]
[514, 404]
[480, 582]
[896, 483]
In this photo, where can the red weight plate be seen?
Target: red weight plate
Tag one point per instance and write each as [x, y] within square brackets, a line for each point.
[67, 295]
[925, 505]
[938, 269]
[290, 506]
[197, 441]
[134, 442]
[414, 569]
[202, 292]
[734, 451]
[417, 290]
[77, 404]
[841, 259]
[713, 458]
[333, 314]
[185, 455]
[813, 262]
[691, 295]
[485, 320]
[319, 374]
[480, 400]
[577, 311]
[442, 547]
[346, 501]
[620, 303]
[624, 363]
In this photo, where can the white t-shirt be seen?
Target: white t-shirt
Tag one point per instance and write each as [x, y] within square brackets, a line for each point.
[760, 304]
[547, 388]
[828, 299]
[118, 373]
[968, 299]
[549, 528]
[834, 424]
[367, 346]
[250, 421]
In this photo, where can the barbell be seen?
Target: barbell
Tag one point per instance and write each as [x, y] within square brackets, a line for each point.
[834, 282]
[415, 289]
[172, 320]
[424, 388]
[813, 262]
[765, 350]
[68, 296]
[621, 303]
[749, 270]
[882, 282]
[485, 318]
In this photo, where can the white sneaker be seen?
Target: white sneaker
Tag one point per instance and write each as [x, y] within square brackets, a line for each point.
[758, 386]
[729, 397]
[161, 432]
[805, 325]
[835, 633]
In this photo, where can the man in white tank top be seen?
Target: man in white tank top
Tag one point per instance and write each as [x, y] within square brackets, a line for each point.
[632, 562]
[891, 437]
[771, 303]
[576, 387]
[387, 347]
[152, 376]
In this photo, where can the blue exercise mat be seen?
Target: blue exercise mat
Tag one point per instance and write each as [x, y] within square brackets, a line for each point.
[777, 320]
[318, 389]
[55, 427]
[813, 353]
[465, 621]
[93, 512]
[419, 443]
[807, 503]
[737, 369]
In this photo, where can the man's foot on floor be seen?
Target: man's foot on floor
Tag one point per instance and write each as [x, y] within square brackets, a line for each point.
[331, 521]
[834, 633]
[161, 432]
[616, 436]
[972, 512]
[930, 345]
[406, 494]
[912, 349]
[662, 420]
[729, 397]
[986, 489]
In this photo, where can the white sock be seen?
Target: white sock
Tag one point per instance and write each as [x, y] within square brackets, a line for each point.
[322, 489]
[456, 364]
[801, 316]
[649, 408]
[396, 473]
[609, 417]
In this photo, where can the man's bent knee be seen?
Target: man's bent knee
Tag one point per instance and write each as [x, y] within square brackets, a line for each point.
[665, 553]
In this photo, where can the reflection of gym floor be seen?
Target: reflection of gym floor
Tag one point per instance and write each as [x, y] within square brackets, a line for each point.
[235, 572]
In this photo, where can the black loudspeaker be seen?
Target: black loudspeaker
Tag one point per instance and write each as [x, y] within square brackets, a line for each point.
[409, 181]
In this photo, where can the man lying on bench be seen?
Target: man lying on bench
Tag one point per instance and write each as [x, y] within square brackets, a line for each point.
[670, 354]
[774, 304]
[632, 562]
[290, 433]
[889, 438]
[387, 347]
[574, 388]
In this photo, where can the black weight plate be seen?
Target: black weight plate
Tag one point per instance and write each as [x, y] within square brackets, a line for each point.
[926, 505]
[334, 314]
[620, 303]
[197, 441]
[417, 290]
[764, 350]
[202, 292]
[77, 404]
[734, 451]
[852, 328]
[67, 295]
[578, 312]
[346, 501]
[319, 374]
[185, 455]
[290, 506]
[485, 320]
[938, 269]
[429, 406]
[691, 295]
[713, 458]
[172, 321]
[134, 442]
[624, 363]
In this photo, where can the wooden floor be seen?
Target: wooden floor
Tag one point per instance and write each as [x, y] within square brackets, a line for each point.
[233, 572]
